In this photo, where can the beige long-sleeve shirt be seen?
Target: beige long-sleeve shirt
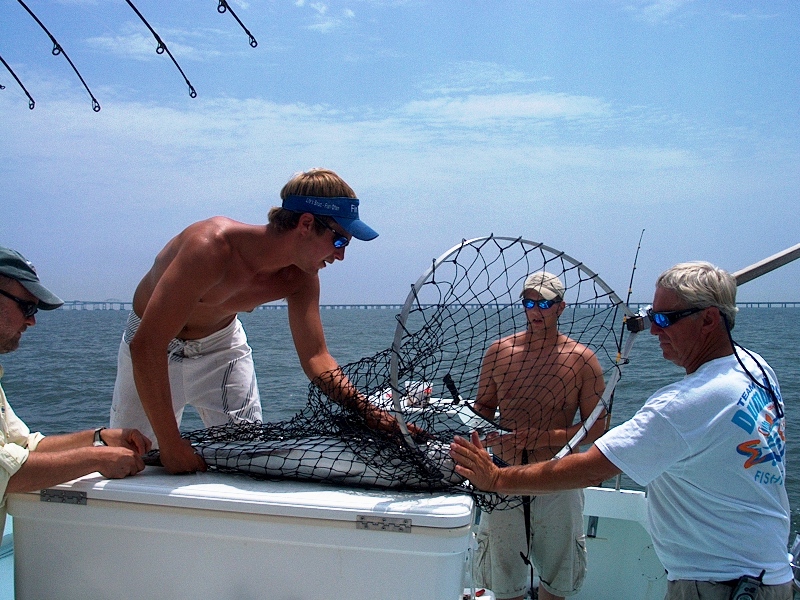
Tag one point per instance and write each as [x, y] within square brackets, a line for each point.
[16, 442]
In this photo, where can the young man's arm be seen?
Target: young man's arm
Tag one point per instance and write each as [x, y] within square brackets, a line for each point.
[592, 387]
[305, 324]
[197, 267]
[318, 364]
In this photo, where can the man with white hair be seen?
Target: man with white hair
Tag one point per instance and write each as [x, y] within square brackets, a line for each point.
[710, 449]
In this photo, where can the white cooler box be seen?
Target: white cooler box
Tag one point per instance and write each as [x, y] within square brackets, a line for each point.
[220, 536]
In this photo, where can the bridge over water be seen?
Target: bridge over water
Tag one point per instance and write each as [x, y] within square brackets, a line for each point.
[122, 305]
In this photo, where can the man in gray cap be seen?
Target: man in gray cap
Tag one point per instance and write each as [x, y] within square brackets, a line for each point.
[31, 461]
[539, 379]
[184, 343]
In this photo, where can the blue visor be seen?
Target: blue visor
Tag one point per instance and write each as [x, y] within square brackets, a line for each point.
[343, 210]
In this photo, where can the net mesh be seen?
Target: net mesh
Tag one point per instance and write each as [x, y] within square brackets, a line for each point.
[463, 342]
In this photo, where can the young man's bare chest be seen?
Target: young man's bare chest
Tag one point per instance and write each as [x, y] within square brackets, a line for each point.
[243, 291]
[537, 382]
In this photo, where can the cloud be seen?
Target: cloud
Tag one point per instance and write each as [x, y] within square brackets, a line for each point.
[658, 10]
[752, 15]
[323, 20]
[136, 45]
[475, 76]
[477, 149]
[136, 42]
[78, 2]
[479, 110]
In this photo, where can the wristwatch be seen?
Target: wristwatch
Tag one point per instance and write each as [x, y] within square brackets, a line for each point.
[98, 441]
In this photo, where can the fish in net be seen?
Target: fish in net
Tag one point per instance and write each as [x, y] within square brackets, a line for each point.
[535, 381]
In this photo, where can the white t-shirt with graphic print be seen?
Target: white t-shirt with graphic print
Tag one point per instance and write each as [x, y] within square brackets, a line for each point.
[711, 449]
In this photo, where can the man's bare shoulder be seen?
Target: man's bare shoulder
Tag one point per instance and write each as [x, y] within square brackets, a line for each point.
[506, 344]
[211, 242]
[199, 258]
[515, 339]
[579, 355]
[575, 346]
[212, 234]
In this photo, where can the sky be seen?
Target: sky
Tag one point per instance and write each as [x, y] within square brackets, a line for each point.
[583, 125]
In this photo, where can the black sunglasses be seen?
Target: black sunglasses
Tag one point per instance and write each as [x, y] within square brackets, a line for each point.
[339, 241]
[27, 307]
[666, 318]
[529, 303]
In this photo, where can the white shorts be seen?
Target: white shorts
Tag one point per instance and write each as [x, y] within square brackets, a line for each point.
[557, 546]
[214, 374]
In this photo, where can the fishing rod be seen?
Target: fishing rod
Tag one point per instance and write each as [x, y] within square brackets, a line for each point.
[57, 49]
[224, 7]
[630, 291]
[31, 102]
[162, 47]
[625, 319]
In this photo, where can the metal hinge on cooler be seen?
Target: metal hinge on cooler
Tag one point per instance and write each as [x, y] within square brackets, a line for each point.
[63, 497]
[374, 523]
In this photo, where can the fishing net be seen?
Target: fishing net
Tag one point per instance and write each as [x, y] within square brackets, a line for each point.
[543, 378]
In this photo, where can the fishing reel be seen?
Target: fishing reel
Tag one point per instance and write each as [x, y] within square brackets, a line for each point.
[638, 322]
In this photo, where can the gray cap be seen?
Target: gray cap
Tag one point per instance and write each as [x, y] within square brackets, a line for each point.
[547, 285]
[16, 266]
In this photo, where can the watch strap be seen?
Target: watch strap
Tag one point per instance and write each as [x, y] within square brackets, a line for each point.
[98, 440]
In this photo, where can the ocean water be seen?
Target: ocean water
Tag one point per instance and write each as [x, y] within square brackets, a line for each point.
[62, 377]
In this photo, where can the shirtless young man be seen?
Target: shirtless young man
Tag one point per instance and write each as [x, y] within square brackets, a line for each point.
[184, 343]
[539, 379]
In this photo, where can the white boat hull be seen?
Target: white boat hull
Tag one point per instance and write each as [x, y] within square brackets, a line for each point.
[621, 561]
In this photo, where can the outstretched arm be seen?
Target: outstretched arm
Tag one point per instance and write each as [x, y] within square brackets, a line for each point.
[321, 368]
[197, 266]
[309, 341]
[571, 472]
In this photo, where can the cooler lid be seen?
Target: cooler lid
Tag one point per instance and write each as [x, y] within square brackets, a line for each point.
[242, 494]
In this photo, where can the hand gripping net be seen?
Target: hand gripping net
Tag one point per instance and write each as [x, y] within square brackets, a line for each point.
[430, 377]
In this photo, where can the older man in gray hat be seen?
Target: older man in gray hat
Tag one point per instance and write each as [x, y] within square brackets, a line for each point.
[31, 461]
[539, 379]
